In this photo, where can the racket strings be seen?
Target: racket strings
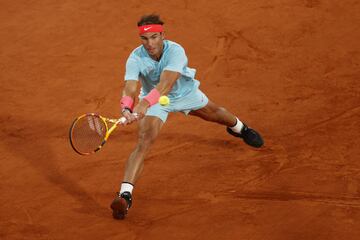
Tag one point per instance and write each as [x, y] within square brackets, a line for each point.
[88, 133]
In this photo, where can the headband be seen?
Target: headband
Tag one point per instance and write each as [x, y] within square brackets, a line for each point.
[150, 28]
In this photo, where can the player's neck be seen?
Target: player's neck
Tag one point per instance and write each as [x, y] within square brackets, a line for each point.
[158, 56]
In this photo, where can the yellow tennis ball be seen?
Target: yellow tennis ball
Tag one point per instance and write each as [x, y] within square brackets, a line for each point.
[164, 101]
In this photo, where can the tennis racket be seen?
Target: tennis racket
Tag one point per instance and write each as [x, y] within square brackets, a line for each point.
[89, 132]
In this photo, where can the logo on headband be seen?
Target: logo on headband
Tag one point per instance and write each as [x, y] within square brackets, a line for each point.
[151, 28]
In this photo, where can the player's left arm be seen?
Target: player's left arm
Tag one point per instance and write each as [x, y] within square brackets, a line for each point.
[167, 81]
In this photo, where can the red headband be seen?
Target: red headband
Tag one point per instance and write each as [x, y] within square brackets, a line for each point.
[150, 28]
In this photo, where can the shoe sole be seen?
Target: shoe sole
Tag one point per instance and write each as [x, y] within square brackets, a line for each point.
[119, 207]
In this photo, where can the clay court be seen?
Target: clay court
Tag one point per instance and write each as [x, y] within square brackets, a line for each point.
[288, 68]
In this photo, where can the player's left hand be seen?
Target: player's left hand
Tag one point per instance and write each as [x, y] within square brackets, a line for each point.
[141, 108]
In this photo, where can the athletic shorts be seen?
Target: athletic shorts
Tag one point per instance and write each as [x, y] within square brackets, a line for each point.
[195, 100]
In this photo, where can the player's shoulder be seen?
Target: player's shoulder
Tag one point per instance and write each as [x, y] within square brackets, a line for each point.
[173, 45]
[173, 48]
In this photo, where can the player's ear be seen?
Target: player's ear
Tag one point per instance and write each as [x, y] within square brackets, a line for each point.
[163, 35]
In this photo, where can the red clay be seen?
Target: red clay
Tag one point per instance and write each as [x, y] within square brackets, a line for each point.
[290, 69]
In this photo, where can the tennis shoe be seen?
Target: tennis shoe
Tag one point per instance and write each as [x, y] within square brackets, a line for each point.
[121, 205]
[249, 135]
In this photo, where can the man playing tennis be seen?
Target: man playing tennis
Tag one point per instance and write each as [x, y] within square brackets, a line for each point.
[161, 67]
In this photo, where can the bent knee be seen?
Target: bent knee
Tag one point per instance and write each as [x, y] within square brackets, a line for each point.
[220, 110]
[215, 113]
[145, 141]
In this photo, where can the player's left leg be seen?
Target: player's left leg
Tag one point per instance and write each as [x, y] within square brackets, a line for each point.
[214, 113]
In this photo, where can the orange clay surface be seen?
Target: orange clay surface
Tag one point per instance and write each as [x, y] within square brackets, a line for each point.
[288, 68]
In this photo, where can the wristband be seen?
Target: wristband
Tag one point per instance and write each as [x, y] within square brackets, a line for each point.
[153, 97]
[127, 102]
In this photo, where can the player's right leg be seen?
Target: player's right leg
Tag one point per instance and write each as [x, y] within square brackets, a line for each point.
[149, 129]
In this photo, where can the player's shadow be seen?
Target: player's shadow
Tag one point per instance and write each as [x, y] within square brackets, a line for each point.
[225, 141]
[30, 141]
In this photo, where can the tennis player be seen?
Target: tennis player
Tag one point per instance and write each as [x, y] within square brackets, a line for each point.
[162, 68]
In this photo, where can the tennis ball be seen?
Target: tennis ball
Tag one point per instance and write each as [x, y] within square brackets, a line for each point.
[164, 101]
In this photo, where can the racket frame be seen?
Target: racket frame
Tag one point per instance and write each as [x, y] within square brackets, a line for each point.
[108, 131]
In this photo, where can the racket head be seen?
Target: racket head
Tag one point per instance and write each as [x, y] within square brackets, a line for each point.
[88, 133]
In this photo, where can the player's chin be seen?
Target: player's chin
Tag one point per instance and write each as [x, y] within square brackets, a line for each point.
[152, 52]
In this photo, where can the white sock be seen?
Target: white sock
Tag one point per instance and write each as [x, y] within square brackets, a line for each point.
[126, 187]
[238, 126]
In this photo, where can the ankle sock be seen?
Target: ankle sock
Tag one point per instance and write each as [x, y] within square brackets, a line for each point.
[238, 126]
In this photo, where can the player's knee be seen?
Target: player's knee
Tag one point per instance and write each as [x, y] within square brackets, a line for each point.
[146, 139]
[218, 113]
[142, 146]
[220, 110]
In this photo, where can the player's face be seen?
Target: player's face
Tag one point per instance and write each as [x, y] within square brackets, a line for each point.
[153, 43]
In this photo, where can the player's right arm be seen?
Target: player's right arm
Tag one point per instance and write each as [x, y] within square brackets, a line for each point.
[129, 91]
[130, 88]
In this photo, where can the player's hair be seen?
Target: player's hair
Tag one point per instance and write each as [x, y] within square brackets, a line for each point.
[150, 19]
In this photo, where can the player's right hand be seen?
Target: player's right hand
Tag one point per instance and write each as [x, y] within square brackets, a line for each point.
[129, 116]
